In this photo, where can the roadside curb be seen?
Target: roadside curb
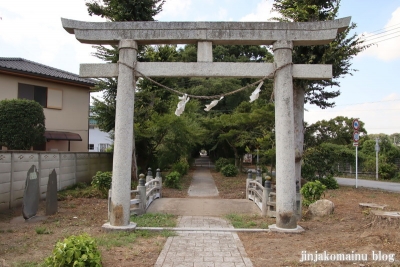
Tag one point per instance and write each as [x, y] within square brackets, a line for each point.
[196, 229]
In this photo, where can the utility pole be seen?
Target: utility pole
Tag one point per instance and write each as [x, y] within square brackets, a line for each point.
[376, 151]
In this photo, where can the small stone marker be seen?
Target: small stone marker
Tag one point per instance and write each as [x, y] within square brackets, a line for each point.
[372, 206]
[51, 195]
[30, 201]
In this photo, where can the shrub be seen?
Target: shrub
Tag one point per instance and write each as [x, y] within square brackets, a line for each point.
[329, 182]
[312, 191]
[22, 124]
[221, 162]
[172, 180]
[75, 251]
[387, 170]
[182, 166]
[102, 182]
[229, 170]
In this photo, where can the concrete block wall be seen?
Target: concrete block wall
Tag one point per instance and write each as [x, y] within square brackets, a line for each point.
[71, 168]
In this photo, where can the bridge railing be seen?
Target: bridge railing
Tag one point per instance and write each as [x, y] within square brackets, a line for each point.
[265, 196]
[146, 192]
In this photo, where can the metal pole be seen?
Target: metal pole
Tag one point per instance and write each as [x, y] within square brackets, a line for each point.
[356, 165]
[376, 176]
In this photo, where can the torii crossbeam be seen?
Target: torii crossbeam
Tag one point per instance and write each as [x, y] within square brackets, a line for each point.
[281, 35]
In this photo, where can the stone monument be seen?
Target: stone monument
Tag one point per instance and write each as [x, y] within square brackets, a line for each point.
[30, 200]
[51, 194]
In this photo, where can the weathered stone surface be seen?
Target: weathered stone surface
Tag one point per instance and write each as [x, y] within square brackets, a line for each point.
[123, 144]
[321, 208]
[207, 69]
[51, 194]
[250, 33]
[386, 214]
[285, 168]
[372, 205]
[30, 202]
[204, 52]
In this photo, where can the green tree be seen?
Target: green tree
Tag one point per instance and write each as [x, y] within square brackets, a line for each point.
[22, 124]
[395, 138]
[125, 10]
[241, 129]
[339, 53]
[118, 10]
[337, 131]
[322, 160]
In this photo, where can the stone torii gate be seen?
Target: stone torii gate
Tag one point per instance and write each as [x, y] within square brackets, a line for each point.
[281, 35]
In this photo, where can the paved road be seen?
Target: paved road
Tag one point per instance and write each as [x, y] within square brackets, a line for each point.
[393, 187]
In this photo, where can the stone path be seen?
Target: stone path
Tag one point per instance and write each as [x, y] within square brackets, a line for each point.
[203, 241]
[202, 184]
[203, 248]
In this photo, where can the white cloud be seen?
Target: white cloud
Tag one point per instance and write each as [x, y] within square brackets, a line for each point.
[379, 117]
[389, 49]
[222, 14]
[262, 12]
[33, 30]
[177, 9]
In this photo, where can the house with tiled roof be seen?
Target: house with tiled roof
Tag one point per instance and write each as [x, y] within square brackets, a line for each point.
[65, 98]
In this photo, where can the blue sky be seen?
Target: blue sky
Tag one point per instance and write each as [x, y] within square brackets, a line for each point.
[32, 30]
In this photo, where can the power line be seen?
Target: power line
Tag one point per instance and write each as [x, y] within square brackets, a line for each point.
[377, 34]
[384, 40]
[331, 110]
[381, 36]
[386, 27]
[374, 102]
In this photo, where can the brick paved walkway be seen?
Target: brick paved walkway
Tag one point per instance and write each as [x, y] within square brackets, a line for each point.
[205, 247]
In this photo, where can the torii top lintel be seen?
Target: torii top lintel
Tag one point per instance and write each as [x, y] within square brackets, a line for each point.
[244, 33]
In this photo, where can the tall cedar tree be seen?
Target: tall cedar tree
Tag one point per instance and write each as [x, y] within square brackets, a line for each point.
[119, 10]
[338, 53]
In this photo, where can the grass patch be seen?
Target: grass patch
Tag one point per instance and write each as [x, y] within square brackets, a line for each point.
[123, 239]
[247, 221]
[79, 190]
[28, 264]
[155, 220]
[42, 231]
[116, 239]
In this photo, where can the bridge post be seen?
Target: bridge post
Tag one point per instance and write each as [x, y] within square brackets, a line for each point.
[258, 175]
[266, 191]
[142, 193]
[249, 178]
[149, 175]
[159, 179]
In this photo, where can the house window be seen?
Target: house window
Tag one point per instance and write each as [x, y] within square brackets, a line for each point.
[91, 146]
[33, 92]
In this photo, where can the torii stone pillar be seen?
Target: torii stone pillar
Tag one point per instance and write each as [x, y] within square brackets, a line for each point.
[123, 143]
[283, 36]
[284, 135]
